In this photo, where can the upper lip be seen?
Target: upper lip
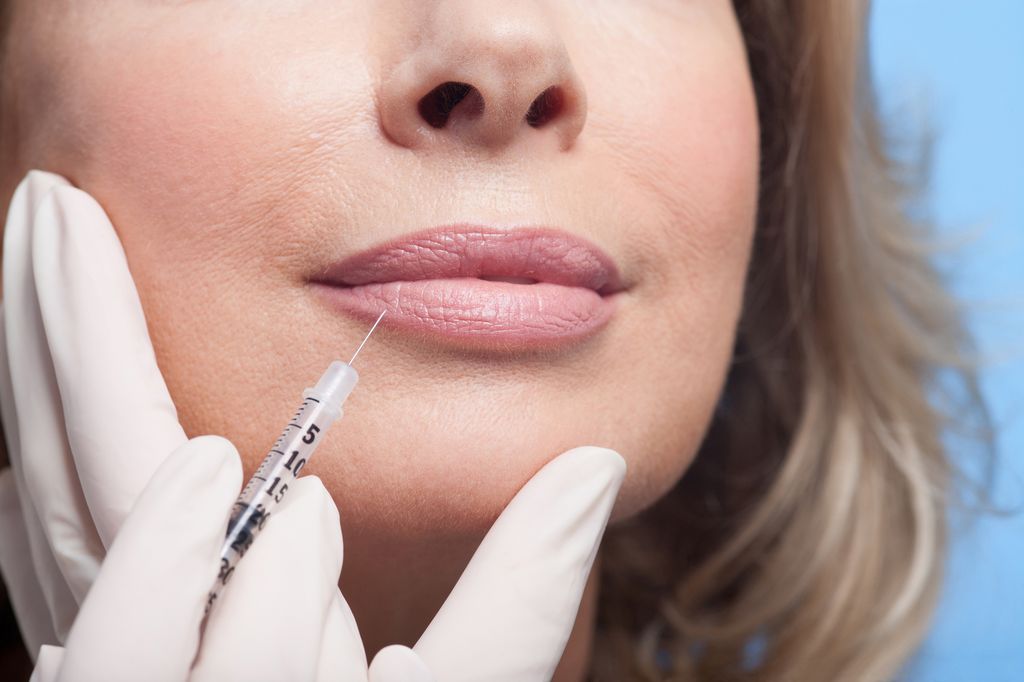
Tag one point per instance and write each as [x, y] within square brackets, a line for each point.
[538, 254]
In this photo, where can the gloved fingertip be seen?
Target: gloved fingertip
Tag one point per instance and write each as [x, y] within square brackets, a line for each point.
[30, 192]
[44, 179]
[309, 499]
[604, 466]
[71, 201]
[205, 470]
[398, 663]
[212, 457]
[36, 185]
[47, 212]
[74, 220]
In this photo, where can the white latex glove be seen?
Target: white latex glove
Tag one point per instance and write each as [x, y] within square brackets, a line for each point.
[94, 421]
[141, 618]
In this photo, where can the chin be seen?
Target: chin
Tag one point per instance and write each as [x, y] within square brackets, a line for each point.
[453, 483]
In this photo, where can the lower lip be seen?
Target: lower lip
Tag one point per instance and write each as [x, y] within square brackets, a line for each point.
[478, 311]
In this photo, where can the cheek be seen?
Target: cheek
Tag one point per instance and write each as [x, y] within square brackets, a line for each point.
[207, 146]
[689, 154]
[202, 154]
[700, 161]
[678, 130]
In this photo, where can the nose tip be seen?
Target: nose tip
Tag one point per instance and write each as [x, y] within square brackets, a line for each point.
[483, 80]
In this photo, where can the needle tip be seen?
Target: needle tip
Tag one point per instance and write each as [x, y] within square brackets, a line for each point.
[367, 337]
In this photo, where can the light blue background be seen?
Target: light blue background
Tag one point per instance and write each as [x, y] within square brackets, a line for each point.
[957, 67]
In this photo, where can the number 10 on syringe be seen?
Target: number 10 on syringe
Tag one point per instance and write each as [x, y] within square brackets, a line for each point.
[321, 407]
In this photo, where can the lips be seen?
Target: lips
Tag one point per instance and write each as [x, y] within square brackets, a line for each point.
[532, 286]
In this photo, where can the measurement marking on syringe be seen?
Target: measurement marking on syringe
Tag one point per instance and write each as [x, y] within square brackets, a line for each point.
[255, 505]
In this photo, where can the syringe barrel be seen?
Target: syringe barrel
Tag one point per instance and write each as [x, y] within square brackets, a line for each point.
[334, 386]
[321, 407]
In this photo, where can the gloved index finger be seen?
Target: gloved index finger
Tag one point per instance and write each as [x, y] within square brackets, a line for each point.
[140, 620]
[65, 547]
[121, 422]
[510, 615]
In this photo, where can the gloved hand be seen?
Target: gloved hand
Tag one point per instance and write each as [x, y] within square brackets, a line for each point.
[141, 618]
[88, 421]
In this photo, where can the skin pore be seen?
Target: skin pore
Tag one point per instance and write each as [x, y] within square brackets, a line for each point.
[241, 148]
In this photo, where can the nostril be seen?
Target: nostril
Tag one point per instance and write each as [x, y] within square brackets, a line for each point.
[546, 107]
[436, 106]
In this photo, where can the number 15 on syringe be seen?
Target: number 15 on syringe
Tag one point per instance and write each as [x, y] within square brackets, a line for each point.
[321, 407]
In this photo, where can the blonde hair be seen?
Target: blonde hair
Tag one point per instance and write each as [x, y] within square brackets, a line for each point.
[806, 541]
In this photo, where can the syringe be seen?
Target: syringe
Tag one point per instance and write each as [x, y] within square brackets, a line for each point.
[321, 406]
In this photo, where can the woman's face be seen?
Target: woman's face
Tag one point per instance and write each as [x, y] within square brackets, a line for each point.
[244, 148]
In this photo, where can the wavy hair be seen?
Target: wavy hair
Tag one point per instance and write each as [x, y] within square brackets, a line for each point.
[807, 540]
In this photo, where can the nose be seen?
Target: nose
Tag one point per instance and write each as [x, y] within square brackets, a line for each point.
[482, 75]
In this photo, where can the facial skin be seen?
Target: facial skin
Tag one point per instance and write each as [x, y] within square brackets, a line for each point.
[241, 148]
